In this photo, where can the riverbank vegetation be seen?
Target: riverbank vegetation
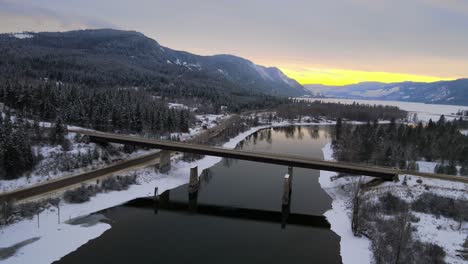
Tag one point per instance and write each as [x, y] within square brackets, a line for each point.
[297, 109]
[391, 223]
[401, 145]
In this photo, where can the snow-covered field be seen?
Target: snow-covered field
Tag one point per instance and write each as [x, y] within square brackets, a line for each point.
[430, 229]
[424, 111]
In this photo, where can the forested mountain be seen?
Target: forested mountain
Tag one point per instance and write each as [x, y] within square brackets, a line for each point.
[123, 81]
[442, 92]
[107, 57]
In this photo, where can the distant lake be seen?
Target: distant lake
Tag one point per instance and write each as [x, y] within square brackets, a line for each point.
[424, 111]
[236, 216]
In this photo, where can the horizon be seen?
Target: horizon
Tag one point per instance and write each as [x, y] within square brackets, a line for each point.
[304, 79]
[362, 43]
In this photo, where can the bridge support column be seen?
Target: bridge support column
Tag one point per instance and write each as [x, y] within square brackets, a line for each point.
[160, 199]
[286, 201]
[193, 187]
[290, 173]
[3, 213]
[164, 161]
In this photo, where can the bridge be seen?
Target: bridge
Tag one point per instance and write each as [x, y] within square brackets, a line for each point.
[163, 164]
[279, 159]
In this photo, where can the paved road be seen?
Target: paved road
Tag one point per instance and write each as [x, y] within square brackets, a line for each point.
[44, 188]
[59, 183]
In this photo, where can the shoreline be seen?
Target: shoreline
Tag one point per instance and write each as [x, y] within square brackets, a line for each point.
[50, 228]
[353, 250]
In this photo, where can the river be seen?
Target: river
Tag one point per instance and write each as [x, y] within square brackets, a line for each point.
[236, 217]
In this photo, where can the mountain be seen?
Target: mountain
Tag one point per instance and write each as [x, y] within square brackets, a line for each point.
[442, 92]
[128, 58]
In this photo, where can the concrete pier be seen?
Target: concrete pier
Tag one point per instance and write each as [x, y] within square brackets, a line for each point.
[193, 182]
[193, 187]
[164, 161]
[287, 189]
[286, 201]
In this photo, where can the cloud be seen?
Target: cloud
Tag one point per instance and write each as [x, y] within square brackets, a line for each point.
[16, 16]
[456, 6]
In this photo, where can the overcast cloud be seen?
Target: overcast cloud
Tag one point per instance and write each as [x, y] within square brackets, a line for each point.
[426, 37]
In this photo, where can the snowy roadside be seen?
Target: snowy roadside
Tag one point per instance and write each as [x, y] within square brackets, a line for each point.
[442, 231]
[46, 171]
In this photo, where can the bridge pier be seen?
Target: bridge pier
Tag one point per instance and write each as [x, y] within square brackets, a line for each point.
[3, 212]
[286, 201]
[160, 200]
[164, 161]
[290, 173]
[193, 187]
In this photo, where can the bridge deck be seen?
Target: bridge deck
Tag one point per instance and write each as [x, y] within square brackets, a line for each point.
[280, 159]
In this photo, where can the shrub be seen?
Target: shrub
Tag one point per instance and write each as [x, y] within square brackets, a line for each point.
[118, 183]
[441, 206]
[81, 194]
[390, 204]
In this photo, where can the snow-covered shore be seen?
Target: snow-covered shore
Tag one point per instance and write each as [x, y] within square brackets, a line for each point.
[444, 232]
[352, 249]
[50, 228]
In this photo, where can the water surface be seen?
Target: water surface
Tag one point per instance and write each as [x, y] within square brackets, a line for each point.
[236, 216]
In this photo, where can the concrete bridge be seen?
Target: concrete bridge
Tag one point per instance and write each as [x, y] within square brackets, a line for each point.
[279, 159]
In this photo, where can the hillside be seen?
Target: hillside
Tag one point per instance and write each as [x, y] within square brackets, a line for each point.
[107, 57]
[442, 92]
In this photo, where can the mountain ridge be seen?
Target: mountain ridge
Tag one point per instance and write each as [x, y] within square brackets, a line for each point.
[454, 92]
[132, 51]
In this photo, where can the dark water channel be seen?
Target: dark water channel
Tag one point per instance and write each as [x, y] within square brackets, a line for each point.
[236, 217]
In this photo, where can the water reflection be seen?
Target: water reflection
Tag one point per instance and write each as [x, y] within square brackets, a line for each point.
[237, 212]
[163, 202]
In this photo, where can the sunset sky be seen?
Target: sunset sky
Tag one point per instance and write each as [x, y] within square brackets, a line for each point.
[329, 42]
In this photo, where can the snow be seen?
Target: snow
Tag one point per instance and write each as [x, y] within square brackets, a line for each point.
[177, 106]
[352, 249]
[377, 92]
[222, 72]
[446, 236]
[285, 79]
[22, 35]
[464, 132]
[45, 171]
[442, 231]
[72, 236]
[51, 232]
[426, 166]
[424, 111]
[261, 71]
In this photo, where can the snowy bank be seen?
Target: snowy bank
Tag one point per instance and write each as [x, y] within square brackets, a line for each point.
[352, 249]
[444, 232]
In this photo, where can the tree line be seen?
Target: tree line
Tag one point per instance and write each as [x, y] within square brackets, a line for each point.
[105, 109]
[359, 112]
[400, 145]
[17, 139]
